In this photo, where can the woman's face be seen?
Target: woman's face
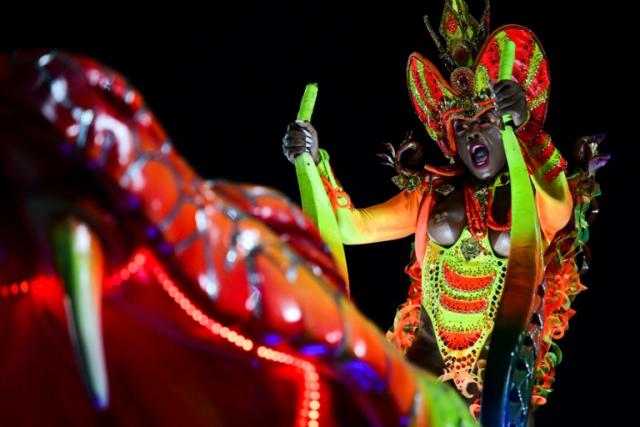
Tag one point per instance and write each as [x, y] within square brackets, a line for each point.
[479, 143]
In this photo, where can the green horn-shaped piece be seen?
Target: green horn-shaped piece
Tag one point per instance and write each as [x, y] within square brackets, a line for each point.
[80, 264]
[524, 273]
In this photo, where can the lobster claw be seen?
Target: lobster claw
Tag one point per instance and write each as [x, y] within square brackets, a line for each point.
[79, 260]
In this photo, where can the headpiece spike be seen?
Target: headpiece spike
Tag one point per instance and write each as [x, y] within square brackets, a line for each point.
[462, 33]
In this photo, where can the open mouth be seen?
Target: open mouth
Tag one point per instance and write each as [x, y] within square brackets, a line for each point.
[479, 153]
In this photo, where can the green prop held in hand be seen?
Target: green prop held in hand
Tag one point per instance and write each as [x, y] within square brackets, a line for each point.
[308, 102]
[525, 264]
[506, 67]
[524, 271]
[315, 202]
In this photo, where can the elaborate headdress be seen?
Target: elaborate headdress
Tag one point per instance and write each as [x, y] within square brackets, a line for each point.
[474, 62]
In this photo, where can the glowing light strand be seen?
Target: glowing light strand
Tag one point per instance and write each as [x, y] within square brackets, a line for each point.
[143, 261]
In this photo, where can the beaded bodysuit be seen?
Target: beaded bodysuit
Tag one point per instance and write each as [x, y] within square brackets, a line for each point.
[461, 290]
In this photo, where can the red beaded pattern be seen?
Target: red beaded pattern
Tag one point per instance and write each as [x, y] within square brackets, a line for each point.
[466, 283]
[458, 340]
[460, 306]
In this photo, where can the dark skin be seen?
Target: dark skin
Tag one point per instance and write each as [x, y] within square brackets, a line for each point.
[480, 147]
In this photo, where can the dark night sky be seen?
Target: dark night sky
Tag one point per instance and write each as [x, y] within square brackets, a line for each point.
[225, 82]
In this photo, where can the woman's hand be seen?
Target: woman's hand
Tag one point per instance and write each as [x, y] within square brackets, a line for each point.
[510, 99]
[301, 137]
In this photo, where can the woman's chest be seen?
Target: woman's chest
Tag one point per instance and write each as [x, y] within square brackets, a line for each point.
[452, 213]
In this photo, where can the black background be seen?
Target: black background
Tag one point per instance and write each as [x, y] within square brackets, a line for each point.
[225, 79]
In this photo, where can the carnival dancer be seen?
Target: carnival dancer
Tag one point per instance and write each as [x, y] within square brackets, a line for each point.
[460, 213]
